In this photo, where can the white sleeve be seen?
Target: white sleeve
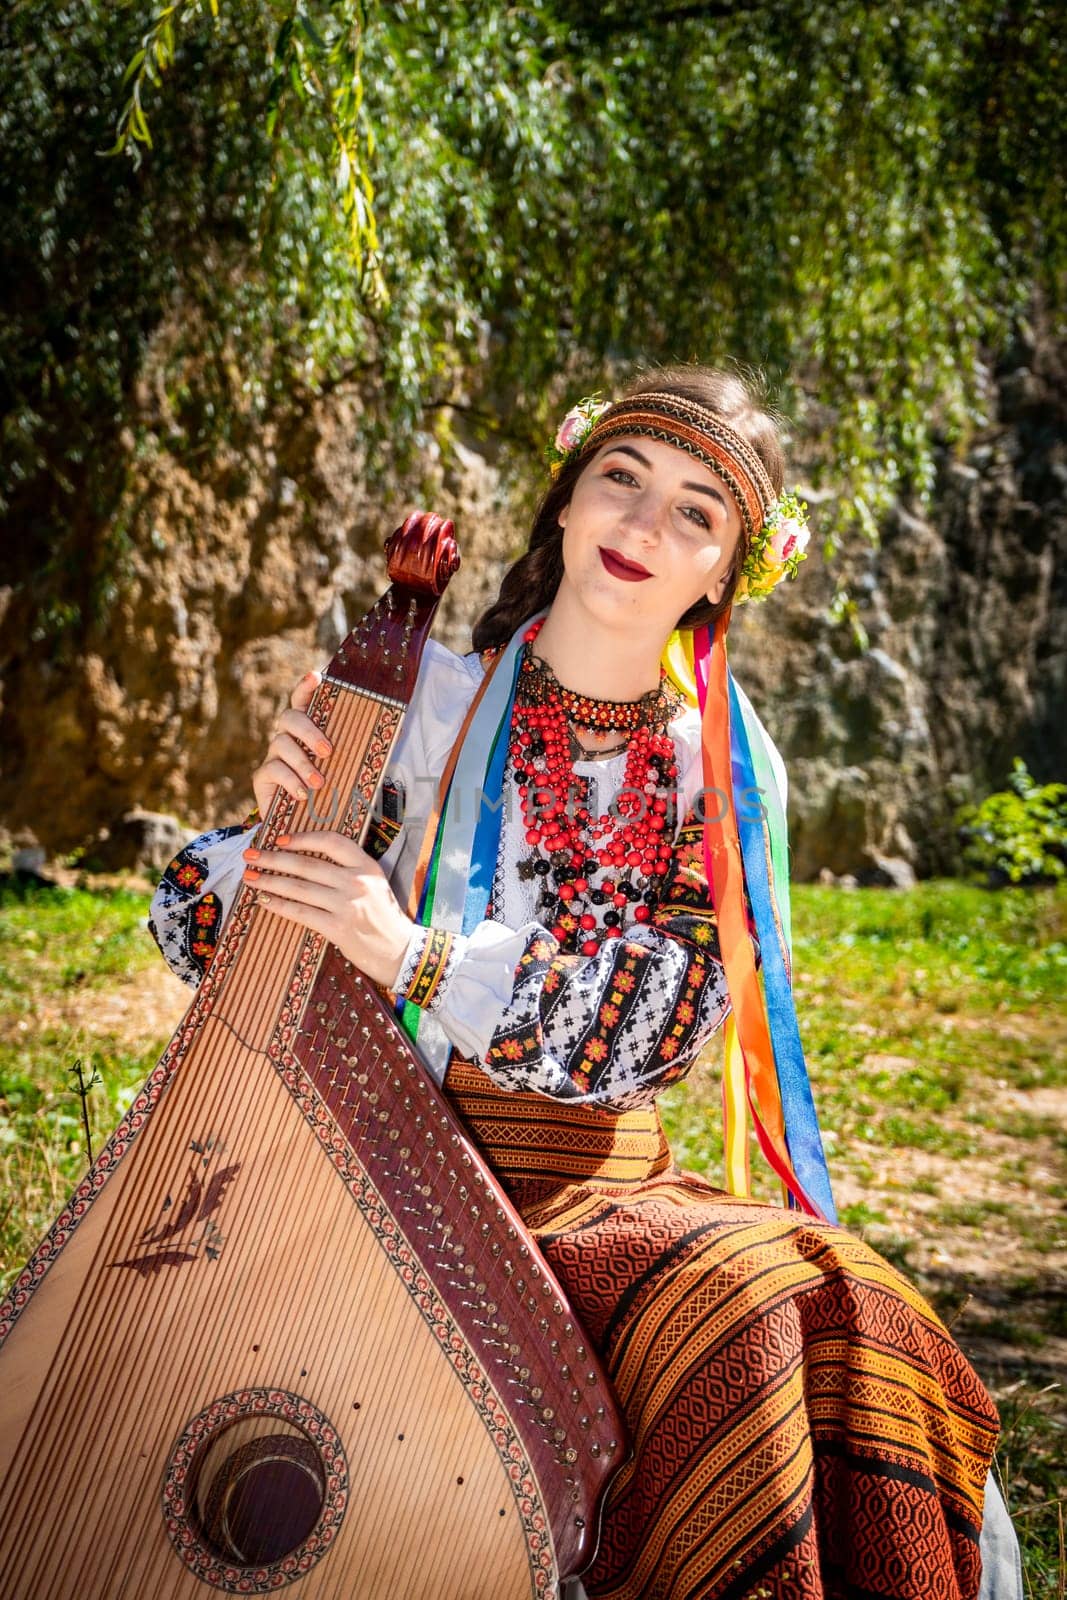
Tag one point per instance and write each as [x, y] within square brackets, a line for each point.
[612, 1028]
[445, 686]
[194, 898]
[470, 979]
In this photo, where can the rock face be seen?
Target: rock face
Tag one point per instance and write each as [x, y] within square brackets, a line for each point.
[966, 617]
[139, 840]
[238, 579]
[236, 582]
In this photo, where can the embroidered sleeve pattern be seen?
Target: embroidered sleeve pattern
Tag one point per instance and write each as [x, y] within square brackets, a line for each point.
[429, 963]
[619, 1026]
[191, 901]
[685, 905]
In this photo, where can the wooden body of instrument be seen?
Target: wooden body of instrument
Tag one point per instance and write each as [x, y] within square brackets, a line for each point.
[289, 1333]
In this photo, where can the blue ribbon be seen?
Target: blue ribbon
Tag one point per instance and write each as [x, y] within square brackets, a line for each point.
[460, 878]
[798, 1107]
[486, 846]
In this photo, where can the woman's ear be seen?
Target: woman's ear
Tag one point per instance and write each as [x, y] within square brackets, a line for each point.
[561, 515]
[717, 588]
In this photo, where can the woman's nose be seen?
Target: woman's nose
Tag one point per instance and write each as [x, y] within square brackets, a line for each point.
[643, 517]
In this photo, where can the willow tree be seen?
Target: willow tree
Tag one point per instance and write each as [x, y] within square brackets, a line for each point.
[478, 203]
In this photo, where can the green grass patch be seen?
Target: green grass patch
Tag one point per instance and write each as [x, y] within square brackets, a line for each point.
[972, 1213]
[1030, 1470]
[58, 938]
[954, 945]
[909, 1005]
[58, 948]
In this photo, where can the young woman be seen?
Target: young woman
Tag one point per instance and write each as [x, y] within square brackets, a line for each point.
[803, 1424]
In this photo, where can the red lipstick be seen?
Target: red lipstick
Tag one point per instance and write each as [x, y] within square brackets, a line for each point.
[619, 567]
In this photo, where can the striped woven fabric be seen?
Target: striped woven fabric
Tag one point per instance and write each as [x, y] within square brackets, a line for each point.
[804, 1426]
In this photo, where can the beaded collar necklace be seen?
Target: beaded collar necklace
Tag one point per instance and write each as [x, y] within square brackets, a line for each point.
[591, 867]
[539, 686]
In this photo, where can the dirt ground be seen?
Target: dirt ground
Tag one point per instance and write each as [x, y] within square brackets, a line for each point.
[998, 1277]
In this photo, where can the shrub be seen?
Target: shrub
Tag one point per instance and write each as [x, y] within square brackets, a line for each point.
[1019, 834]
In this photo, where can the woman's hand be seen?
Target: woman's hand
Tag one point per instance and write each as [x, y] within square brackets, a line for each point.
[345, 897]
[288, 764]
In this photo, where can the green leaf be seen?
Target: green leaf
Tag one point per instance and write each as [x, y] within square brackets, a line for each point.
[138, 124]
[282, 42]
[274, 95]
[135, 62]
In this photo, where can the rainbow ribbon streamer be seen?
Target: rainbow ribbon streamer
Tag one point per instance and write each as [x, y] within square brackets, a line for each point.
[745, 846]
[459, 880]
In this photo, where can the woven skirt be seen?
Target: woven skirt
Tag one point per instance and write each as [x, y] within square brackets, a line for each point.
[803, 1425]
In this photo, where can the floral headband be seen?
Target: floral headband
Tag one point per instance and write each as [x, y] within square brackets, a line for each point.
[777, 526]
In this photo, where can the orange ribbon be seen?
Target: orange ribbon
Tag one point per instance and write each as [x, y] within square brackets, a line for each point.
[722, 855]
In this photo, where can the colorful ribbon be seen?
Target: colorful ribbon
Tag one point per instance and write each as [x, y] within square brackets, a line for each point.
[459, 879]
[741, 850]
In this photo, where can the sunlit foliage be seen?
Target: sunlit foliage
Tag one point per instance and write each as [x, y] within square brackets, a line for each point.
[488, 202]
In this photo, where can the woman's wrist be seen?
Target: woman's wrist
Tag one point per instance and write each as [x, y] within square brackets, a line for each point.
[383, 959]
[427, 967]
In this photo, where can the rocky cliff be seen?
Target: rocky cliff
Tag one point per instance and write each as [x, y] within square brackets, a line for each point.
[236, 576]
[233, 581]
[965, 614]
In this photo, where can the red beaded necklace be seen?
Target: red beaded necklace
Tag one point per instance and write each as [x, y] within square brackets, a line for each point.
[631, 842]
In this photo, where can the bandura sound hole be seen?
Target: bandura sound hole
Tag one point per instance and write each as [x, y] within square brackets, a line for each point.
[259, 1491]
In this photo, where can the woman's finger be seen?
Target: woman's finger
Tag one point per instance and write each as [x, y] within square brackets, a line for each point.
[304, 692]
[307, 916]
[289, 863]
[279, 774]
[294, 891]
[283, 747]
[304, 731]
[337, 847]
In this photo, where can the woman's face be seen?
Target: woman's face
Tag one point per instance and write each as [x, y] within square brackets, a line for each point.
[648, 532]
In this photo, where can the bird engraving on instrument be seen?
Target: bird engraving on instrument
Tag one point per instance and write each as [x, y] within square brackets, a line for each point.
[162, 1243]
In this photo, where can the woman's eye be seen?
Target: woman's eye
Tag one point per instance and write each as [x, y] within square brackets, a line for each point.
[620, 475]
[694, 514]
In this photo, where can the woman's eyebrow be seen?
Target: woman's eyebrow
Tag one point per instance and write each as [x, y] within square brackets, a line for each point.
[628, 450]
[698, 488]
[706, 488]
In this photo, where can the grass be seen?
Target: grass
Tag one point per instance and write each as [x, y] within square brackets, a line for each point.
[59, 951]
[908, 1002]
[933, 1026]
[1030, 1469]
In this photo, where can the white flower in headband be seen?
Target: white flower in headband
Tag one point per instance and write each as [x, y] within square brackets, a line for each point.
[574, 430]
[777, 550]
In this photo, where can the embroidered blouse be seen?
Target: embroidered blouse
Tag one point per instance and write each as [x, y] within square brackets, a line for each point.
[613, 1028]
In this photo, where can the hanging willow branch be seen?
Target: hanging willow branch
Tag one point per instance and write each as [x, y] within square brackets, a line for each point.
[147, 65]
[318, 58]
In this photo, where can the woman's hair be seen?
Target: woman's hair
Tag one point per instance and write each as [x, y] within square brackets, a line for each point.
[531, 582]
